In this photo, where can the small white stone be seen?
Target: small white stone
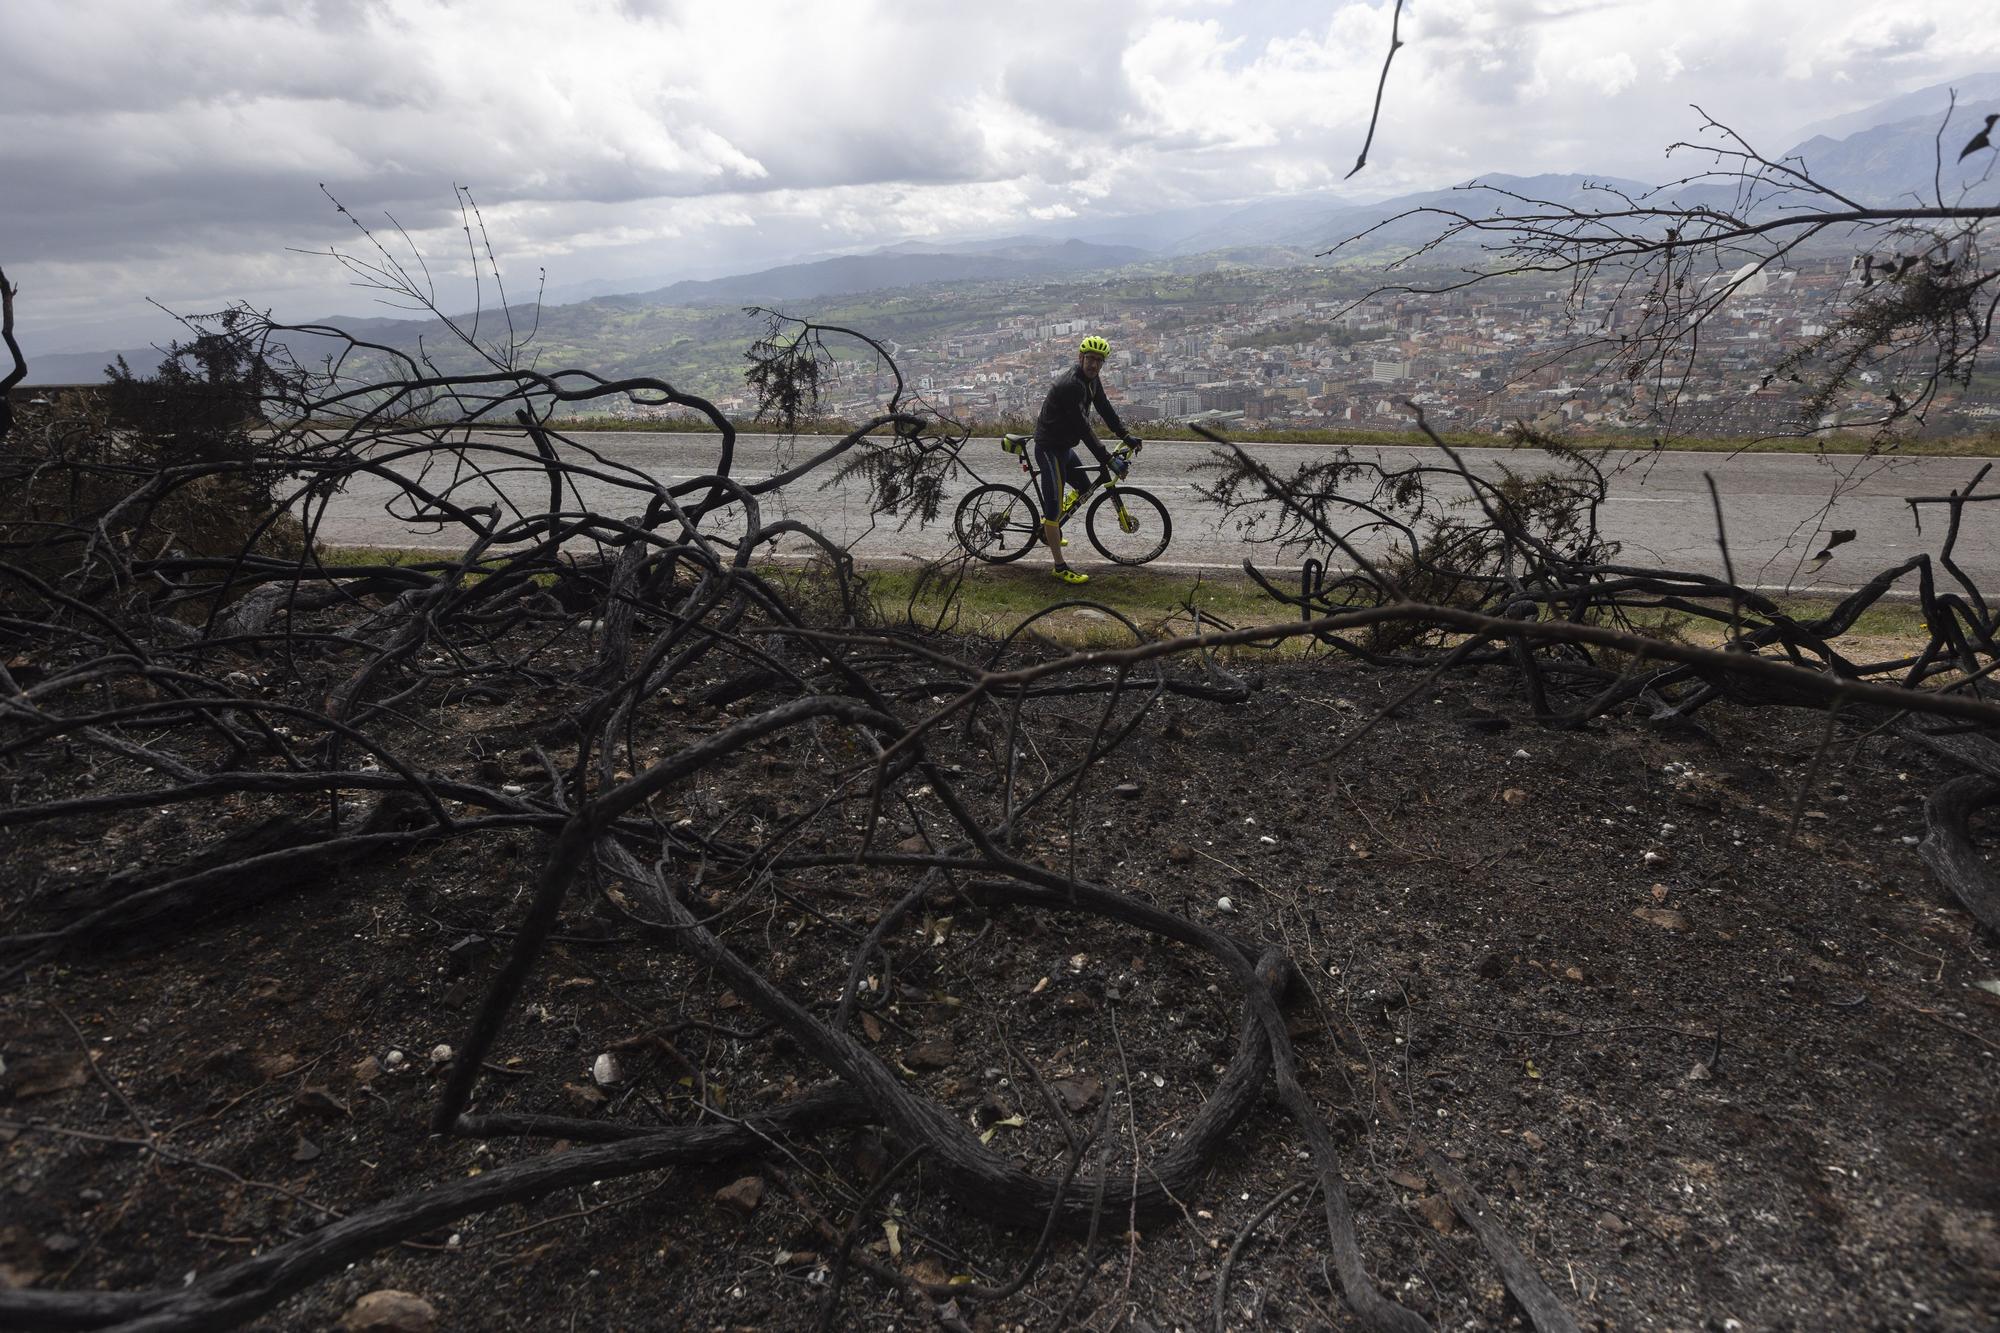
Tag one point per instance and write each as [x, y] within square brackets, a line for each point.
[1522, 754]
[604, 1071]
[1911, 840]
[440, 1054]
[1267, 839]
[395, 1060]
[1224, 905]
[1250, 819]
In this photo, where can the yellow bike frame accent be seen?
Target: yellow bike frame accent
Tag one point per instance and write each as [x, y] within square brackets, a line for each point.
[1126, 523]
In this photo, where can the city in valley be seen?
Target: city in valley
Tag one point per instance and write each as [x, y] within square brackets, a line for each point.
[1299, 348]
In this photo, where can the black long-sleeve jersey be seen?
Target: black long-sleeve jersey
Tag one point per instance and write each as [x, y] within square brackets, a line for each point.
[1065, 415]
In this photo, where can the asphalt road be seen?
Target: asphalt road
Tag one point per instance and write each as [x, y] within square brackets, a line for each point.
[1777, 508]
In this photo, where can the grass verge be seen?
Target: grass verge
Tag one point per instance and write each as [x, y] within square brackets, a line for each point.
[993, 600]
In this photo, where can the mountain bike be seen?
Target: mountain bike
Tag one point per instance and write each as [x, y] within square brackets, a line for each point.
[999, 523]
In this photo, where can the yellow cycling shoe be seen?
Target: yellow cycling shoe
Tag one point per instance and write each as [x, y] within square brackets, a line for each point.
[1068, 575]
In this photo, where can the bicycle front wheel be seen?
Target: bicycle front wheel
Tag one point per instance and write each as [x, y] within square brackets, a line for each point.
[996, 523]
[1129, 526]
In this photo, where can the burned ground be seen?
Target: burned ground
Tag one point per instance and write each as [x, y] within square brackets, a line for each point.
[1747, 1082]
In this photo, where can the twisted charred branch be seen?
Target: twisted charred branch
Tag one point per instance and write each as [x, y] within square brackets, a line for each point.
[18, 369]
[1523, 1281]
[976, 1177]
[1951, 851]
[233, 1295]
[573, 844]
[1381, 85]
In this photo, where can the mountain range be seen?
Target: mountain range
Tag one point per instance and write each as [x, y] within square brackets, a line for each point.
[909, 264]
[1893, 152]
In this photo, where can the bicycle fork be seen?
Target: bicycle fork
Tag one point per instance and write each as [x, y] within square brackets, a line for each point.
[1126, 523]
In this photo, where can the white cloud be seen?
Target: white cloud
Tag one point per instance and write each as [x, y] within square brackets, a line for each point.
[1609, 75]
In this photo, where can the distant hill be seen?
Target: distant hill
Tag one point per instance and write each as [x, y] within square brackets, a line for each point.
[1898, 162]
[1930, 102]
[1334, 226]
[908, 265]
[1266, 222]
[86, 367]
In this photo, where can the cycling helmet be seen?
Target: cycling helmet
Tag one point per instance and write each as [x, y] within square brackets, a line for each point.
[1094, 344]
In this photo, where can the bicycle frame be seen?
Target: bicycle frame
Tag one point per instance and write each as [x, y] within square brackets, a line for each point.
[1108, 479]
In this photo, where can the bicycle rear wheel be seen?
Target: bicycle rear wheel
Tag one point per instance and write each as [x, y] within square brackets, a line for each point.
[1130, 533]
[996, 523]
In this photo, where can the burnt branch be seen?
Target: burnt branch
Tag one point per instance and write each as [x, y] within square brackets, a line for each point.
[18, 371]
[1381, 85]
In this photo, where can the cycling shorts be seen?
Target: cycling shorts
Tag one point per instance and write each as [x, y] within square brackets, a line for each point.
[1053, 467]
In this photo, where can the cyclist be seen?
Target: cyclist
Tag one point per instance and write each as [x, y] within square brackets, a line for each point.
[1064, 423]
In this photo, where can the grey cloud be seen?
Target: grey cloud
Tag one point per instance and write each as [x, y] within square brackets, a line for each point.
[655, 11]
[1091, 94]
[336, 15]
[1894, 37]
[929, 150]
[97, 63]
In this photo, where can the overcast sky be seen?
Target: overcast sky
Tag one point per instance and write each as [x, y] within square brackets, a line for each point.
[174, 149]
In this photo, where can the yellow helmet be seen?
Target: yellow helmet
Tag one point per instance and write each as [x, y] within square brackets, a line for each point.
[1094, 344]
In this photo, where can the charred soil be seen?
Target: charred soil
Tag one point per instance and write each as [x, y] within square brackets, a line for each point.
[1684, 1007]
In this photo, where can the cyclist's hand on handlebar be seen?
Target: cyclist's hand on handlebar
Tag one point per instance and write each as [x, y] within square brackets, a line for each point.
[1121, 466]
[1133, 442]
